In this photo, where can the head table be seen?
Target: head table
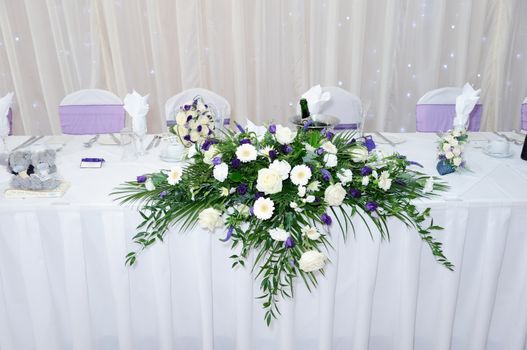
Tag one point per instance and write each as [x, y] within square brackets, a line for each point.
[64, 285]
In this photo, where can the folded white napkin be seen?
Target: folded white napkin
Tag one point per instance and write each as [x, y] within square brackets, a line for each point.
[137, 107]
[464, 105]
[5, 104]
[316, 99]
[259, 130]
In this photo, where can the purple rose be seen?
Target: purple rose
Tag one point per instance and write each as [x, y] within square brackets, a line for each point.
[163, 194]
[273, 154]
[319, 151]
[366, 170]
[141, 179]
[216, 161]
[287, 149]
[235, 163]
[369, 143]
[326, 175]
[244, 141]
[355, 193]
[272, 128]
[326, 219]
[242, 189]
[289, 242]
[371, 206]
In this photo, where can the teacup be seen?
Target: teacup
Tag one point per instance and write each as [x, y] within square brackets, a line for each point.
[174, 151]
[499, 147]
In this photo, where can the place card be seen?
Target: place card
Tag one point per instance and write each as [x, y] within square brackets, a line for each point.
[92, 162]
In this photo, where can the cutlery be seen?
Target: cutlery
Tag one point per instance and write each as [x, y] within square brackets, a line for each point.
[23, 144]
[516, 142]
[158, 141]
[115, 139]
[151, 142]
[384, 138]
[91, 141]
[30, 142]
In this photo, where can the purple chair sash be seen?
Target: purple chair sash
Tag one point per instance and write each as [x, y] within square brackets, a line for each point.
[439, 118]
[344, 126]
[91, 119]
[524, 116]
[10, 120]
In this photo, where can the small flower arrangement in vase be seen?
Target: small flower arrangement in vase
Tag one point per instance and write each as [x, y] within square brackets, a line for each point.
[450, 151]
[194, 122]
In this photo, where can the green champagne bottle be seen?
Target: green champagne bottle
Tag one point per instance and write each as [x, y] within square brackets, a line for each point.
[304, 108]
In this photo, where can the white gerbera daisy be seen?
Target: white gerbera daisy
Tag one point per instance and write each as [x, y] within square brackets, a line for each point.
[300, 175]
[174, 176]
[263, 208]
[246, 153]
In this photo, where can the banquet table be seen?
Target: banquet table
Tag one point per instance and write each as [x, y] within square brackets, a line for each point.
[64, 284]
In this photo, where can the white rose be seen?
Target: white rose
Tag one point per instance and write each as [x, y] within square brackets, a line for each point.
[310, 232]
[300, 175]
[192, 151]
[365, 180]
[329, 147]
[359, 154]
[330, 159]
[449, 155]
[313, 186]
[181, 118]
[374, 174]
[269, 181]
[384, 181]
[448, 138]
[210, 218]
[220, 172]
[149, 185]
[457, 161]
[243, 209]
[174, 176]
[209, 154]
[453, 142]
[282, 167]
[279, 234]
[456, 133]
[263, 208]
[446, 147]
[284, 135]
[204, 131]
[246, 153]
[293, 205]
[310, 199]
[345, 176]
[429, 185]
[309, 148]
[301, 191]
[312, 261]
[334, 194]
[456, 151]
[180, 130]
[203, 120]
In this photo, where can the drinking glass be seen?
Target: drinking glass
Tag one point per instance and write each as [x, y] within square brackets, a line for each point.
[128, 144]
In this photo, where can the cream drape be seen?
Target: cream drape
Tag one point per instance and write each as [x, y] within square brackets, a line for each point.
[261, 55]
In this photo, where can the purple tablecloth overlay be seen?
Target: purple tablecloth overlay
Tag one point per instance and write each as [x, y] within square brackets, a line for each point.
[524, 116]
[439, 117]
[91, 119]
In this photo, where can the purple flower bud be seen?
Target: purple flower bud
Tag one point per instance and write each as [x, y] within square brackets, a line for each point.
[258, 195]
[355, 193]
[216, 161]
[251, 210]
[366, 170]
[287, 149]
[242, 189]
[272, 128]
[163, 194]
[369, 143]
[229, 234]
[326, 219]
[189, 118]
[186, 138]
[411, 162]
[307, 125]
[235, 163]
[244, 141]
[199, 128]
[329, 135]
[206, 145]
[326, 175]
[186, 107]
[141, 179]
[352, 141]
[289, 242]
[371, 206]
[273, 154]
[240, 128]
[319, 151]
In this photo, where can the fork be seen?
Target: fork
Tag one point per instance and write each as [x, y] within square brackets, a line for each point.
[91, 141]
[516, 142]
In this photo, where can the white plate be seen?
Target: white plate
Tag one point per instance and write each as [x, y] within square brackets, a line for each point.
[498, 155]
[392, 137]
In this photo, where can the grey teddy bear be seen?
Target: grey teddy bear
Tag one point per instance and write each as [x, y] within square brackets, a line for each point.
[33, 170]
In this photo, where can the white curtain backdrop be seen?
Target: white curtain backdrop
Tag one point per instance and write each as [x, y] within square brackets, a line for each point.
[262, 54]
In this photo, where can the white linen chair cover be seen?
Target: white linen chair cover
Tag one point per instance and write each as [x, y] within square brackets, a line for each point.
[343, 105]
[446, 96]
[219, 104]
[91, 97]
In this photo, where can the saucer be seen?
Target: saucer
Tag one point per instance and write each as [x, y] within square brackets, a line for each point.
[498, 155]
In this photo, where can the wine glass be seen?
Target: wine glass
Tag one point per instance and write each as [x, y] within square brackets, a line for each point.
[365, 107]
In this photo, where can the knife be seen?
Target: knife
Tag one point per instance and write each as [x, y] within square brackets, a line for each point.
[384, 138]
[115, 139]
[158, 141]
[151, 143]
[29, 142]
[507, 138]
[24, 143]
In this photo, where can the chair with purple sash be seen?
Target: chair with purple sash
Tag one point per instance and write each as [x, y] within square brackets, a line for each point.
[435, 111]
[524, 115]
[219, 105]
[91, 112]
[343, 105]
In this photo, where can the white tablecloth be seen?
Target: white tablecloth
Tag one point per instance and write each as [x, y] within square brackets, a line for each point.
[63, 283]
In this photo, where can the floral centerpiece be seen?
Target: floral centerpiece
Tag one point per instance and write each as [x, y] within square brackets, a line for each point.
[276, 193]
[450, 151]
[194, 122]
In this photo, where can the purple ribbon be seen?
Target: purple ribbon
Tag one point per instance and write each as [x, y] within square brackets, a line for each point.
[229, 234]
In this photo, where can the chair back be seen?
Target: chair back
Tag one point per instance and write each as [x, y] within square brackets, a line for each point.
[91, 111]
[219, 104]
[435, 111]
[524, 115]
